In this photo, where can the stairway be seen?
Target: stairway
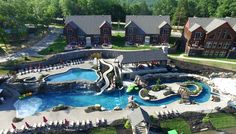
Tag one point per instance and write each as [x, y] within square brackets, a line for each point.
[141, 130]
[104, 75]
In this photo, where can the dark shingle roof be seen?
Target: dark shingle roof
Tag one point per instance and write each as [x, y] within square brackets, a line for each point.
[137, 116]
[89, 23]
[149, 24]
[141, 56]
[209, 24]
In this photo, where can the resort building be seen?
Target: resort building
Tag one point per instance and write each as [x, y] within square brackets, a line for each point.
[146, 29]
[210, 37]
[142, 62]
[88, 30]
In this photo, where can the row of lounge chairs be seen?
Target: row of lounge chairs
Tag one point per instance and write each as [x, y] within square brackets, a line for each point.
[57, 126]
[167, 114]
[50, 67]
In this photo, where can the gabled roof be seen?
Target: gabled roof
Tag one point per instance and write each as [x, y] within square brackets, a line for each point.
[214, 24]
[210, 24]
[194, 27]
[141, 56]
[149, 24]
[89, 23]
[137, 116]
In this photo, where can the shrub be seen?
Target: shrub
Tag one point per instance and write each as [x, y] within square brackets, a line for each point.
[127, 124]
[16, 120]
[156, 88]
[206, 119]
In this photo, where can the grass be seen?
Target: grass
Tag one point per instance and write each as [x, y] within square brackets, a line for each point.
[209, 63]
[179, 124]
[4, 71]
[106, 130]
[56, 47]
[222, 59]
[222, 120]
[118, 42]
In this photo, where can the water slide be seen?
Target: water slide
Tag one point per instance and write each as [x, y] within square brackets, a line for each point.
[107, 81]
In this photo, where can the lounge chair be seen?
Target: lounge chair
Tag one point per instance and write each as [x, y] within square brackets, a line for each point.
[104, 122]
[71, 124]
[98, 122]
[6, 131]
[88, 123]
[60, 123]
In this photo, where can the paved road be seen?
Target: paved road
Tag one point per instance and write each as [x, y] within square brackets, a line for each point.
[201, 59]
[33, 51]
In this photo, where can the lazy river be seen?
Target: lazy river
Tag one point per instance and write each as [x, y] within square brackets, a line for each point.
[83, 98]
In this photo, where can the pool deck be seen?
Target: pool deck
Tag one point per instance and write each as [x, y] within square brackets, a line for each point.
[85, 65]
[7, 113]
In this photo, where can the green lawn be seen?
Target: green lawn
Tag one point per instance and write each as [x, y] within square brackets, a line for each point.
[101, 130]
[58, 46]
[209, 63]
[118, 42]
[3, 71]
[179, 124]
[222, 120]
[222, 59]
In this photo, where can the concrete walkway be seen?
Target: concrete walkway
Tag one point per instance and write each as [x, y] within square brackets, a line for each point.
[201, 59]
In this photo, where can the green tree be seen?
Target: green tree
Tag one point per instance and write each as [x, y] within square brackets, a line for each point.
[164, 7]
[181, 13]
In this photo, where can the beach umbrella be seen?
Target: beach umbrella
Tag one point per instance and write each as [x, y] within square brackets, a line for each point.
[45, 119]
[131, 98]
[66, 122]
[13, 126]
[27, 125]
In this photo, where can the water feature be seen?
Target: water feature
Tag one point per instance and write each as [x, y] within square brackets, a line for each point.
[74, 75]
[191, 87]
[83, 98]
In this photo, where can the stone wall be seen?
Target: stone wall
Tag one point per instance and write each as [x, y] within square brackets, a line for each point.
[77, 54]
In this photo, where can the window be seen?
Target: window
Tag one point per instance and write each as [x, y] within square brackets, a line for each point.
[165, 31]
[69, 31]
[226, 45]
[139, 38]
[216, 53]
[223, 35]
[130, 38]
[197, 35]
[228, 37]
[131, 30]
[96, 39]
[106, 31]
[214, 45]
[222, 54]
[219, 45]
[218, 34]
[211, 53]
[205, 53]
[208, 44]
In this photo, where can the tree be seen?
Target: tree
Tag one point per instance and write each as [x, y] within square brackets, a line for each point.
[164, 7]
[181, 13]
[226, 8]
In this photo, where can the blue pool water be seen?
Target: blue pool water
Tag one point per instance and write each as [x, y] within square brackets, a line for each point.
[191, 87]
[81, 98]
[74, 75]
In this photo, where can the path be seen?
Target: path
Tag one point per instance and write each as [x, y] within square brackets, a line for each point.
[107, 81]
[201, 59]
[33, 51]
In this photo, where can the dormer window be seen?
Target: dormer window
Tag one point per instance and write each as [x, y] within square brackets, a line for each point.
[197, 35]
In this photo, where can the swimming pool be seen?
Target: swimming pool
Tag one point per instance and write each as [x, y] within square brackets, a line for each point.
[74, 75]
[82, 98]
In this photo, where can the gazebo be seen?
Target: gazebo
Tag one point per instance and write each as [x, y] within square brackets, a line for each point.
[146, 56]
